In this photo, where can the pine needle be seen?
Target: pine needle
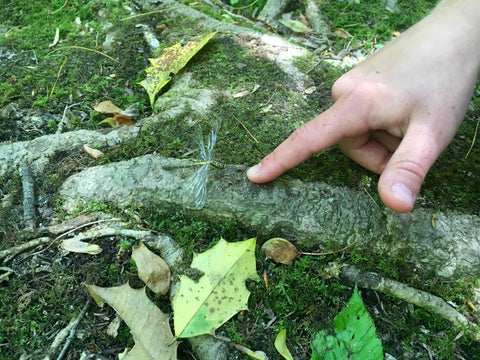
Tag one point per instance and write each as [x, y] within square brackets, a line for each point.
[58, 75]
[473, 140]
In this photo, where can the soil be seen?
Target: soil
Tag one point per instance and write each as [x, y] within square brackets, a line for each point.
[47, 90]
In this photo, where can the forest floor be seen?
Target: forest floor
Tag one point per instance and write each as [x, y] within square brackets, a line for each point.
[50, 86]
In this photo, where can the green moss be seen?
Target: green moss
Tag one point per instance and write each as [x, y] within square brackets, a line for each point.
[369, 22]
[46, 77]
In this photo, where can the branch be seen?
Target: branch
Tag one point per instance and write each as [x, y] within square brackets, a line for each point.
[406, 293]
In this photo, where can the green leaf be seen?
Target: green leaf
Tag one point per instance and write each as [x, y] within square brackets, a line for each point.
[172, 60]
[202, 307]
[355, 335]
[281, 345]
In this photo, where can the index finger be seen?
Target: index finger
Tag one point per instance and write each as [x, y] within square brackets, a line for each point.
[325, 130]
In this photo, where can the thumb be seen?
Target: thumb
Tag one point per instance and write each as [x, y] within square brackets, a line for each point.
[402, 178]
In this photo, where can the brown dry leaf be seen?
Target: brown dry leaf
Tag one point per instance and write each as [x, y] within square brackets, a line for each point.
[117, 120]
[107, 107]
[123, 119]
[342, 33]
[296, 26]
[149, 326]
[152, 269]
[112, 328]
[77, 246]
[280, 250]
[95, 153]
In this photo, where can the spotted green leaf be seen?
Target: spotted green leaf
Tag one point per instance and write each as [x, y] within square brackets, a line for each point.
[172, 60]
[202, 307]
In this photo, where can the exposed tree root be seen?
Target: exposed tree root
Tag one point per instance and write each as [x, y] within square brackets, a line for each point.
[414, 296]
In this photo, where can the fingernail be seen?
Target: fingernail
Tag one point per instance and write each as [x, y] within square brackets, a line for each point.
[403, 193]
[254, 170]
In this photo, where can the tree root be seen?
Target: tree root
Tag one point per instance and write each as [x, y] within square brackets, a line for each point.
[414, 296]
[13, 251]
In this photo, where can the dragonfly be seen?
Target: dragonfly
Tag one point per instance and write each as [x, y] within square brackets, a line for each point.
[197, 182]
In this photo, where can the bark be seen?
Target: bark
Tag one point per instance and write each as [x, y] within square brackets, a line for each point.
[312, 213]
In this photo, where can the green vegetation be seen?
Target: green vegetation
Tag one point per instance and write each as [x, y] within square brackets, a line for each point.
[77, 69]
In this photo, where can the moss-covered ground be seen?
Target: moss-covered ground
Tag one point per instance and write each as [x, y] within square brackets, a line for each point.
[78, 73]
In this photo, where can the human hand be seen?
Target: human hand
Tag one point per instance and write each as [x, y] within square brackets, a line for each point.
[397, 111]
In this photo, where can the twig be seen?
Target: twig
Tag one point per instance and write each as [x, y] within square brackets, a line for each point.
[8, 272]
[158, 12]
[13, 251]
[60, 8]
[406, 293]
[248, 131]
[73, 330]
[58, 75]
[473, 140]
[328, 252]
[28, 196]
[96, 233]
[84, 225]
[83, 48]
[63, 120]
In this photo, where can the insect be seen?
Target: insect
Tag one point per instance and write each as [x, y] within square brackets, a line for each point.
[197, 182]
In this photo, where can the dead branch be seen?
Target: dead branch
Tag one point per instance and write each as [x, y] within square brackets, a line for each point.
[7, 273]
[414, 296]
[96, 233]
[28, 196]
[73, 329]
[13, 251]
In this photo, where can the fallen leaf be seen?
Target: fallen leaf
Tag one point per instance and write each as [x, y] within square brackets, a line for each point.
[77, 246]
[259, 355]
[295, 26]
[281, 345]
[152, 269]
[95, 153]
[172, 60]
[56, 38]
[107, 107]
[342, 33]
[112, 328]
[148, 325]
[117, 120]
[280, 250]
[123, 119]
[202, 307]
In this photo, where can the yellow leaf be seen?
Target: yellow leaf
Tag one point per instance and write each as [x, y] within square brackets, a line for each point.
[152, 269]
[281, 345]
[202, 307]
[110, 121]
[148, 325]
[172, 60]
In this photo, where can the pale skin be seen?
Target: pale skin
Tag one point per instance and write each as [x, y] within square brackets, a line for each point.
[398, 110]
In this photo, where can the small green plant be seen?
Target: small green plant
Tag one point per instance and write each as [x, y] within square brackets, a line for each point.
[125, 244]
[354, 338]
